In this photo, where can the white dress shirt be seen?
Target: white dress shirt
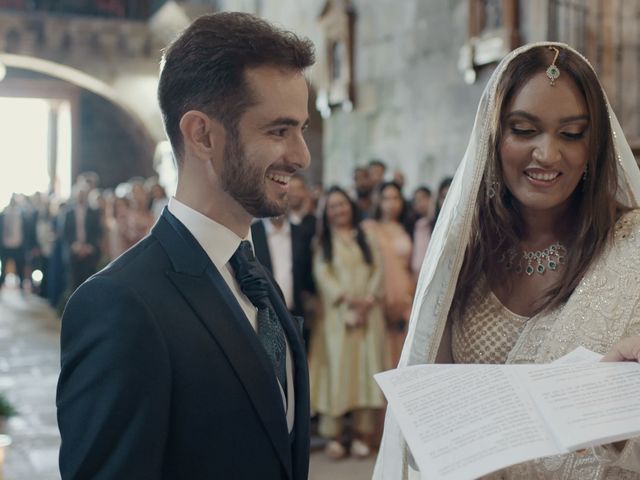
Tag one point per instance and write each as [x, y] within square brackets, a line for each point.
[220, 244]
[280, 250]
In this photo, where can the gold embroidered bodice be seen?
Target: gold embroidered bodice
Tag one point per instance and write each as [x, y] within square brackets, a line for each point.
[604, 308]
[488, 330]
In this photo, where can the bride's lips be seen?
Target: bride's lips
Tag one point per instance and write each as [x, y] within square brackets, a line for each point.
[542, 178]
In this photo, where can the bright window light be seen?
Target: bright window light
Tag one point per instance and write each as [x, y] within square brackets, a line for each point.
[24, 130]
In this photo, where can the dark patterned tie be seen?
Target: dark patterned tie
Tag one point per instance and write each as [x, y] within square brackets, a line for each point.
[255, 286]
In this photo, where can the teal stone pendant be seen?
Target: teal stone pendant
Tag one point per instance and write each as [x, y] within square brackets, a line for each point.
[553, 73]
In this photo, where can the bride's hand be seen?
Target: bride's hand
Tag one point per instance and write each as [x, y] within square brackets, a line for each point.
[627, 349]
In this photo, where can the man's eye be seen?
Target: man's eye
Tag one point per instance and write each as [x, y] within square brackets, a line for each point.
[280, 132]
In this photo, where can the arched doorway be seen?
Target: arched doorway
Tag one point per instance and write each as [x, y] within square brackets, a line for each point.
[88, 128]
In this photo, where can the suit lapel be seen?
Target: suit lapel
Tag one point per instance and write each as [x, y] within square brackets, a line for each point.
[209, 296]
[293, 332]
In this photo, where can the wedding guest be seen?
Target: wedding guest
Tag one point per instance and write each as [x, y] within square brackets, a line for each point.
[443, 189]
[13, 240]
[300, 210]
[398, 178]
[141, 217]
[421, 228]
[377, 171]
[347, 346]
[157, 197]
[363, 190]
[45, 239]
[284, 249]
[391, 231]
[537, 245]
[81, 234]
[119, 226]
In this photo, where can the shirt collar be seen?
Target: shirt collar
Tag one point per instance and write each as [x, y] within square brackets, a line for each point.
[218, 241]
[270, 229]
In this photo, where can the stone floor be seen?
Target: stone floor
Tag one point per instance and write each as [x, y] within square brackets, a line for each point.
[29, 367]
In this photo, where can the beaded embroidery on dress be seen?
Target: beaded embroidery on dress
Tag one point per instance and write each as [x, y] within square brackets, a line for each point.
[488, 330]
[601, 310]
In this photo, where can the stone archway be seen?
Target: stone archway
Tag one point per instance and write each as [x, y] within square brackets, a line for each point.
[109, 136]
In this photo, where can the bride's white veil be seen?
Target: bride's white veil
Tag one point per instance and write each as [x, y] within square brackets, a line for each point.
[443, 261]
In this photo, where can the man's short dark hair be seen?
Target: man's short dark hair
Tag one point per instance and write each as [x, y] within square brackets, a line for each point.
[424, 189]
[204, 67]
[378, 163]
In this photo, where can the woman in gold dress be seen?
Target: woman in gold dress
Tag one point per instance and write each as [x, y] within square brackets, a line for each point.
[536, 245]
[347, 346]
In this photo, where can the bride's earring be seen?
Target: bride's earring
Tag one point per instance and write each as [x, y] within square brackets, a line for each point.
[492, 189]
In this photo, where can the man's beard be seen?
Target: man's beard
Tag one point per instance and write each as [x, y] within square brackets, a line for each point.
[246, 182]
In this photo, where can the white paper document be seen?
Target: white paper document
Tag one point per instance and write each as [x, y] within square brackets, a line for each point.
[464, 421]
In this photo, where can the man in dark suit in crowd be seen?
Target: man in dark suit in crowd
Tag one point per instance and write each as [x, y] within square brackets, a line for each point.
[284, 248]
[299, 206]
[81, 232]
[180, 360]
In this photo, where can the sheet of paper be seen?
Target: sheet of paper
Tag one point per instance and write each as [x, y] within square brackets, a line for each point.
[587, 403]
[579, 355]
[463, 421]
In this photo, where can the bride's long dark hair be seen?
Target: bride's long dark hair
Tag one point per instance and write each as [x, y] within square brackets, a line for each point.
[497, 223]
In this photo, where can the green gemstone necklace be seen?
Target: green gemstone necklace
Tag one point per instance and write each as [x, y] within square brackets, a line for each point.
[538, 261]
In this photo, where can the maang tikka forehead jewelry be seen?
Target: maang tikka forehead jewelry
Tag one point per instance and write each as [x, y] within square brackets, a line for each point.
[553, 72]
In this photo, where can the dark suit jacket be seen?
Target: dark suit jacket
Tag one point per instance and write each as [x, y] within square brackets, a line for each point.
[92, 227]
[163, 376]
[301, 252]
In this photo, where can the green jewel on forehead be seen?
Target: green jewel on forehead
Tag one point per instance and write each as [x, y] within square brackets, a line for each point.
[553, 73]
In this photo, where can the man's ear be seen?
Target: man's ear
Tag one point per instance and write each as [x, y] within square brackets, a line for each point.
[200, 133]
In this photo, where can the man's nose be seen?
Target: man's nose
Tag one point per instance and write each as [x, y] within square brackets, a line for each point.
[298, 154]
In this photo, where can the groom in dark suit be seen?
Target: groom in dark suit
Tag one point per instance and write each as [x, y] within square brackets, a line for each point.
[180, 359]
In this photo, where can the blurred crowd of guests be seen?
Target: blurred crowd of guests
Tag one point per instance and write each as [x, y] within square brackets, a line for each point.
[347, 260]
[53, 245]
[367, 254]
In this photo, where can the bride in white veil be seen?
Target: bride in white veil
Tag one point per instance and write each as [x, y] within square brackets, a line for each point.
[585, 300]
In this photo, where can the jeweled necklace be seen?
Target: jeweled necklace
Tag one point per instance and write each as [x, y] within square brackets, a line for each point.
[549, 258]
